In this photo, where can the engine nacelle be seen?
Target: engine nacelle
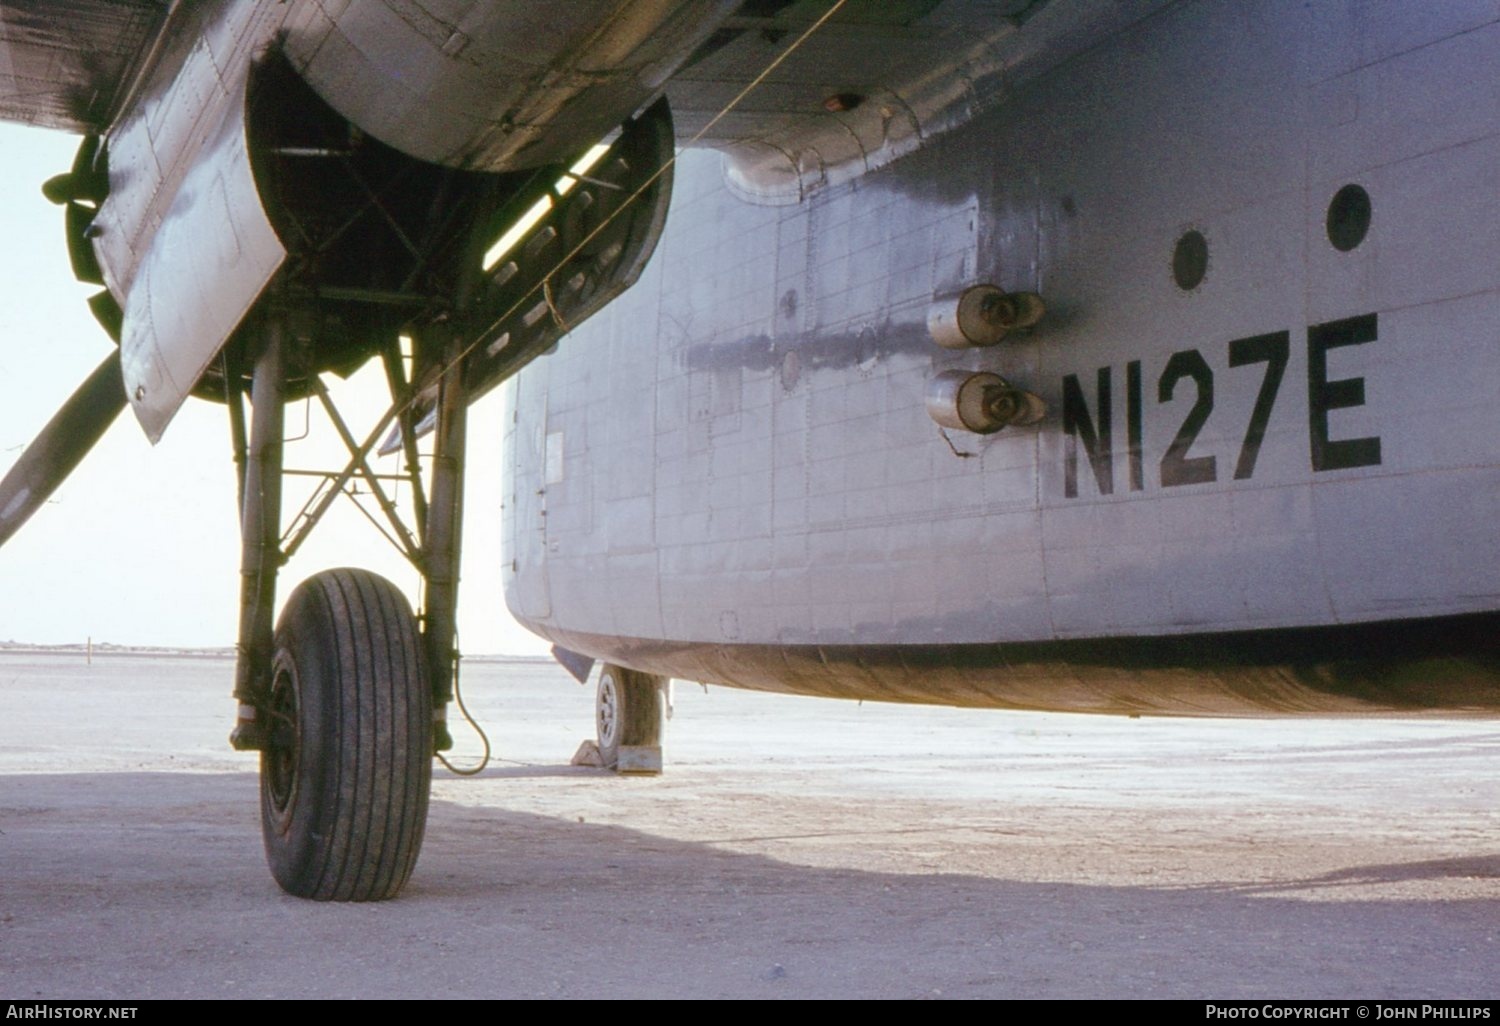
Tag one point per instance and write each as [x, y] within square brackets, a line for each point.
[232, 169]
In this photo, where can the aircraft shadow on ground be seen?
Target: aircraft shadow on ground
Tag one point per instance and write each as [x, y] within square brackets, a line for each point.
[146, 876]
[499, 769]
[1484, 867]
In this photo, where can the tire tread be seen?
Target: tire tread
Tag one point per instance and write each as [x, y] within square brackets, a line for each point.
[361, 830]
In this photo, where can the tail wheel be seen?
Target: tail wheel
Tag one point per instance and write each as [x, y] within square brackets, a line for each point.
[628, 711]
[345, 776]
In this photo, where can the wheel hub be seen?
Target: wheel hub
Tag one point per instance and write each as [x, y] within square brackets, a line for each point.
[608, 711]
[282, 744]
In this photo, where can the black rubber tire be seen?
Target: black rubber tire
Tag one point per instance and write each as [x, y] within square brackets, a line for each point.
[629, 708]
[345, 778]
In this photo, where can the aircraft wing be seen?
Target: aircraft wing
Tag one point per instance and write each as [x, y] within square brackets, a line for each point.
[68, 64]
[874, 82]
[798, 94]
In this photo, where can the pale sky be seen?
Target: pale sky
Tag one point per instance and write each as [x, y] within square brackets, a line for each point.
[141, 545]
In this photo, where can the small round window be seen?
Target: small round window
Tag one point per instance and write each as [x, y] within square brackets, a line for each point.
[1348, 218]
[1190, 260]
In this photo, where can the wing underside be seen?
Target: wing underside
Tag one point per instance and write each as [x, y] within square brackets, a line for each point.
[67, 64]
[833, 99]
[831, 89]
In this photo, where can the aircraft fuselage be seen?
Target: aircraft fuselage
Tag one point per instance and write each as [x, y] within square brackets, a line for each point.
[1267, 236]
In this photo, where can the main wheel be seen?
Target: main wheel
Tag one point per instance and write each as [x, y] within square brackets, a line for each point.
[345, 775]
[627, 711]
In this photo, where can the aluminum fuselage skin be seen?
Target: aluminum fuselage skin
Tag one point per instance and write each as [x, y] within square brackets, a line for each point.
[1276, 489]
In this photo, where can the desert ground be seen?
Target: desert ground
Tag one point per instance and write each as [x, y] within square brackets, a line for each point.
[793, 848]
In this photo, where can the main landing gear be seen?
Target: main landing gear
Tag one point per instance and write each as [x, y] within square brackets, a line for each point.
[345, 698]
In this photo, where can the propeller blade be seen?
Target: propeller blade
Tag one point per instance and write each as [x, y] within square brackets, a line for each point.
[63, 443]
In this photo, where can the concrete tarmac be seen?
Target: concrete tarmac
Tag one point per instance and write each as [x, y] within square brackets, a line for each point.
[793, 848]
